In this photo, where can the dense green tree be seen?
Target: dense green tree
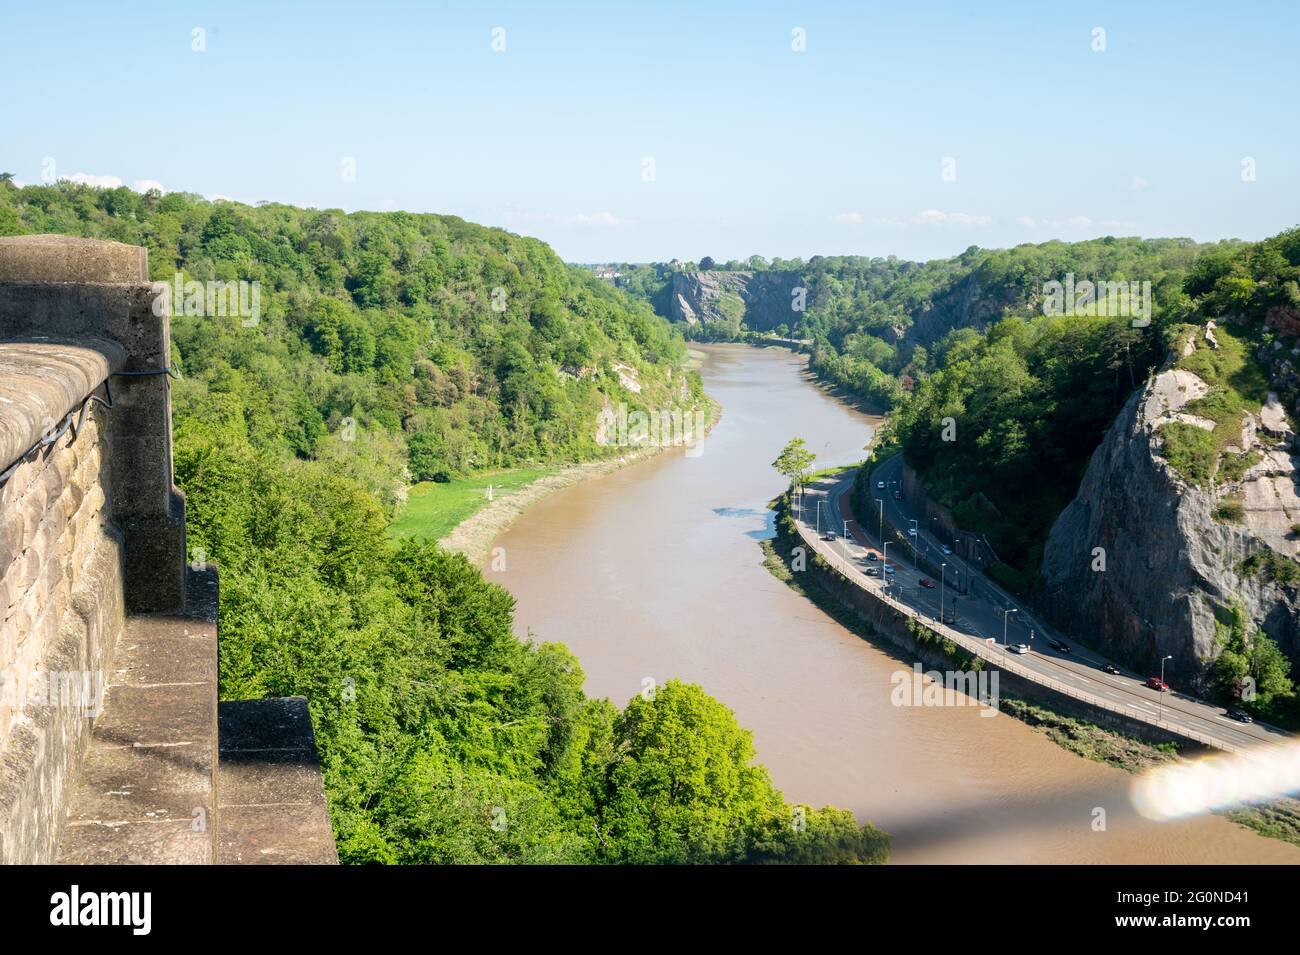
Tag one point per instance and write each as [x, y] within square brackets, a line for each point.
[1249, 658]
[679, 785]
[795, 461]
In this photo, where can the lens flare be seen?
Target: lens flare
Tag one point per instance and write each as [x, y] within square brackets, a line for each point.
[1217, 782]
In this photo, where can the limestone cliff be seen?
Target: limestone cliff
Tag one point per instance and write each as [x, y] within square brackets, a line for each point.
[967, 302]
[1172, 549]
[759, 300]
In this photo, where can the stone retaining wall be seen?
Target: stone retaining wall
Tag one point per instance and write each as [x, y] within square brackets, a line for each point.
[890, 621]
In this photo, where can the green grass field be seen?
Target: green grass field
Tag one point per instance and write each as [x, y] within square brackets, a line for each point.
[434, 509]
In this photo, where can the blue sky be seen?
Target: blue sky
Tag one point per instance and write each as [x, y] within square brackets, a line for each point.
[756, 148]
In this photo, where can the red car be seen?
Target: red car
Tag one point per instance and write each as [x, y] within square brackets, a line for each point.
[1155, 683]
[927, 583]
[898, 495]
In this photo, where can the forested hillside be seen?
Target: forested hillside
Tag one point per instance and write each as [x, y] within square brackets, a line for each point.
[386, 343]
[1032, 396]
[967, 339]
[377, 352]
[871, 322]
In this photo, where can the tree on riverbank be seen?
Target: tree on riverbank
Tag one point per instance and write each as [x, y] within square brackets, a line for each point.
[795, 462]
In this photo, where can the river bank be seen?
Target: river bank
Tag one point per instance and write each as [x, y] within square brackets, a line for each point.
[473, 536]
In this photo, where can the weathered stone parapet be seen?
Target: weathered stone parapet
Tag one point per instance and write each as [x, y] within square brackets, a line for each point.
[61, 610]
[90, 523]
[108, 661]
[41, 381]
[67, 258]
[66, 292]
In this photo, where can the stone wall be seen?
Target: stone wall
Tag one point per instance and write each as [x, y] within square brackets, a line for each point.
[90, 524]
[61, 603]
[110, 741]
[889, 620]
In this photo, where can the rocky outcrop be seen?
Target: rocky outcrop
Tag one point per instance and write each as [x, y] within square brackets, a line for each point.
[966, 303]
[1141, 560]
[760, 300]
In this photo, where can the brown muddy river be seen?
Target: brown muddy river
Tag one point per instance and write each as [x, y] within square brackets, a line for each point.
[655, 572]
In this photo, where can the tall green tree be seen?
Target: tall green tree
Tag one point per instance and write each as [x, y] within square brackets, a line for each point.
[795, 461]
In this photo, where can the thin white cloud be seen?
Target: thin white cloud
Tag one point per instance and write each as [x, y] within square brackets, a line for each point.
[1074, 222]
[99, 182]
[848, 218]
[938, 217]
[599, 220]
[113, 182]
[1137, 184]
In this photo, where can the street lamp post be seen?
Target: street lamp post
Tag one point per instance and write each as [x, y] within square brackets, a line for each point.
[1160, 694]
[881, 502]
[1006, 613]
[943, 568]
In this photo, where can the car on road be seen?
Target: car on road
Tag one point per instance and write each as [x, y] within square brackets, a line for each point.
[872, 555]
[828, 536]
[946, 550]
[1019, 648]
[1058, 646]
[898, 495]
[889, 568]
[1241, 716]
[1155, 683]
[1111, 669]
[927, 583]
[880, 485]
[871, 572]
[911, 532]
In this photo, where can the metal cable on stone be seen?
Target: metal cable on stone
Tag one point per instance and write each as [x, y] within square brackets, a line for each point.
[170, 370]
[75, 419]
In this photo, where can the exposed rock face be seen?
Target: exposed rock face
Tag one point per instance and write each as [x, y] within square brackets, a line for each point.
[1169, 563]
[967, 303]
[762, 300]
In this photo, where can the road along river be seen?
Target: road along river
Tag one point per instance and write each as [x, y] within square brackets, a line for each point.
[655, 572]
